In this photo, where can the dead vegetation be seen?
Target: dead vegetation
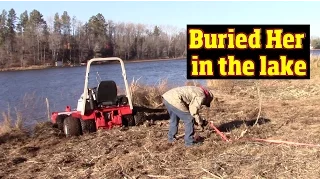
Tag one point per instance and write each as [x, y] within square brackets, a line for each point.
[148, 96]
[286, 110]
[7, 125]
[33, 67]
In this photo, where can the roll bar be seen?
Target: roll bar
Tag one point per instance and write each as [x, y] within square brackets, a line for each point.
[85, 90]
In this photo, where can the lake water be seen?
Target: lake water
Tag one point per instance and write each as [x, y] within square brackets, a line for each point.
[315, 52]
[26, 90]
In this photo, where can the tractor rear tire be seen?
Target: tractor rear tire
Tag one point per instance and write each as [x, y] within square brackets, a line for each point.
[138, 118]
[72, 126]
[128, 120]
[88, 126]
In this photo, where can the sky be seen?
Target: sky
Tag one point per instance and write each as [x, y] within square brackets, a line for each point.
[179, 14]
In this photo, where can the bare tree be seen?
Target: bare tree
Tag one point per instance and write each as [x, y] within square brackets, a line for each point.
[31, 40]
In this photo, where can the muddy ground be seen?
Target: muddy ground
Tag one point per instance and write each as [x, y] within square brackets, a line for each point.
[289, 111]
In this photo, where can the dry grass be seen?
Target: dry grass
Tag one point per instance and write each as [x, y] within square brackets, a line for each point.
[298, 88]
[23, 112]
[8, 124]
[289, 111]
[315, 63]
[148, 96]
[33, 67]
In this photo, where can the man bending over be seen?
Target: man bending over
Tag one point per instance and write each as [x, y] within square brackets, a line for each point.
[184, 103]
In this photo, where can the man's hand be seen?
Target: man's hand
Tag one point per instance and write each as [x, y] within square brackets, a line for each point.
[197, 120]
[203, 124]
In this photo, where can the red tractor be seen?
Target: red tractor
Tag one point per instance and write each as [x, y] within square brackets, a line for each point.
[98, 108]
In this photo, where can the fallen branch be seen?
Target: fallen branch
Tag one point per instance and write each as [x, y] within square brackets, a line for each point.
[169, 169]
[242, 134]
[48, 108]
[213, 175]
[180, 136]
[259, 96]
[158, 176]
[126, 175]
[262, 140]
[148, 152]
[281, 142]
[33, 162]
[93, 158]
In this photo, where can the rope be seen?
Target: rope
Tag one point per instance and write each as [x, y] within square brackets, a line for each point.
[261, 140]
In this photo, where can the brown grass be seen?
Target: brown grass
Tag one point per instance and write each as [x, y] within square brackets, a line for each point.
[289, 111]
[29, 104]
[33, 67]
[239, 87]
[8, 124]
[148, 96]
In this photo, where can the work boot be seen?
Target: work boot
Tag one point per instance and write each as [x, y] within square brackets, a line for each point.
[196, 143]
[173, 140]
[198, 140]
[170, 143]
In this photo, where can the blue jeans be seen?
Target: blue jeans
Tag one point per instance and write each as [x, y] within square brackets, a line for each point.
[175, 116]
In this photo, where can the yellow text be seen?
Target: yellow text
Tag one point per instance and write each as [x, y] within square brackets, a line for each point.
[230, 40]
[277, 40]
[283, 67]
[235, 67]
[201, 67]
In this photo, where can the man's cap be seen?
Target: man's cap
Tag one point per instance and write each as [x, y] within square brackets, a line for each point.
[209, 97]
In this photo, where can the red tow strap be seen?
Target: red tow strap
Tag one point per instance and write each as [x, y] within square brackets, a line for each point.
[219, 133]
[262, 140]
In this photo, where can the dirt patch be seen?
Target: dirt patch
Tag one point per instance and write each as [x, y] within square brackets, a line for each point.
[143, 151]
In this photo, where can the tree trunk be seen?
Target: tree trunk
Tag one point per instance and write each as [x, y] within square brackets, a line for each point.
[44, 54]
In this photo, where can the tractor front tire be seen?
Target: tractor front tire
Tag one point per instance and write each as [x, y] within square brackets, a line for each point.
[88, 126]
[59, 121]
[72, 126]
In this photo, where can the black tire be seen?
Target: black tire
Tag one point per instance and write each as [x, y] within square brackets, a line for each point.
[128, 120]
[88, 126]
[138, 118]
[59, 121]
[72, 126]
[122, 100]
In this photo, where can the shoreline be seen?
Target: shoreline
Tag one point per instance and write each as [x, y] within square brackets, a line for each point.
[40, 67]
[153, 60]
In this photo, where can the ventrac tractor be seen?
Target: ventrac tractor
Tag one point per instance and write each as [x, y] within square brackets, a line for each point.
[99, 107]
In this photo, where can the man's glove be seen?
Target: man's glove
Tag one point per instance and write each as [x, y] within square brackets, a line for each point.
[203, 124]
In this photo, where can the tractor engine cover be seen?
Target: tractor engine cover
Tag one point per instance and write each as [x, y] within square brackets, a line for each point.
[117, 120]
[108, 120]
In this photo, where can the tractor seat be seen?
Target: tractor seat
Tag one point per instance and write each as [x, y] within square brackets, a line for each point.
[106, 93]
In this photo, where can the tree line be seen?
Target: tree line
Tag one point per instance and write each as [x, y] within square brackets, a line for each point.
[315, 42]
[30, 39]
